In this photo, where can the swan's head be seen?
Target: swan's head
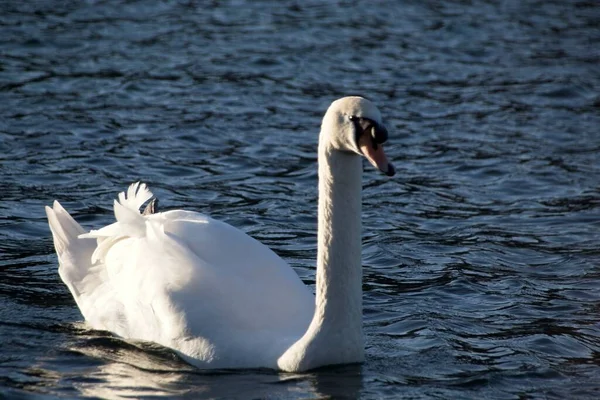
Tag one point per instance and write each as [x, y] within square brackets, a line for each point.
[353, 124]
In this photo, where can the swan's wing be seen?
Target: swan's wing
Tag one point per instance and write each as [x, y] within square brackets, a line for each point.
[194, 284]
[206, 289]
[243, 277]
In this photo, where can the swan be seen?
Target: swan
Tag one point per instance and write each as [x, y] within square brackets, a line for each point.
[216, 296]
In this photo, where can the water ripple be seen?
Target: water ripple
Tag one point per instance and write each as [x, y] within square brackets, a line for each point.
[480, 257]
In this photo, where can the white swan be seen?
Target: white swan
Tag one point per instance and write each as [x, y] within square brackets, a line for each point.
[215, 295]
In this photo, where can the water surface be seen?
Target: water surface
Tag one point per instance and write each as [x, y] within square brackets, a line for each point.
[481, 257]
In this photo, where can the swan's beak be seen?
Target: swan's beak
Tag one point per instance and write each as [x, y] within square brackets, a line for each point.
[375, 154]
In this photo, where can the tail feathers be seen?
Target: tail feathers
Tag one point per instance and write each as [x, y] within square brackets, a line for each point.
[64, 228]
[74, 254]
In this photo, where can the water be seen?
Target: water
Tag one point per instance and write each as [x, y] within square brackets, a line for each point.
[481, 257]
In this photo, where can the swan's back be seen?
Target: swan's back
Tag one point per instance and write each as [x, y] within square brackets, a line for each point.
[184, 280]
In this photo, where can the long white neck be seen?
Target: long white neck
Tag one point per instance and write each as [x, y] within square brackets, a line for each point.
[339, 264]
[335, 334]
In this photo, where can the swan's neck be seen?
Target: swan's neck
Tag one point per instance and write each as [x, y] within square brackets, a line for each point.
[335, 335]
[339, 266]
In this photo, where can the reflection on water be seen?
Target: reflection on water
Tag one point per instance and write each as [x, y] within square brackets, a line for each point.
[143, 370]
[481, 257]
[130, 369]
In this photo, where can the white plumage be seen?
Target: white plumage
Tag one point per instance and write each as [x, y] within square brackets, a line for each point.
[215, 295]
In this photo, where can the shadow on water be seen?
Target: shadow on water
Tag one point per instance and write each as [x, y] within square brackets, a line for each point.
[98, 365]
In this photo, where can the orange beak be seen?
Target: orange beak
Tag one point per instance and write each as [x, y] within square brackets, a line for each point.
[375, 154]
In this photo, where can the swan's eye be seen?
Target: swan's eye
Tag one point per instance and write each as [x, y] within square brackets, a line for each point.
[378, 132]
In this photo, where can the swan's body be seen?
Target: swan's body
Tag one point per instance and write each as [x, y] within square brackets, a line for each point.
[215, 295]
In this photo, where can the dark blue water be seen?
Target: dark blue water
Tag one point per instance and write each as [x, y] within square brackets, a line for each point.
[481, 257]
